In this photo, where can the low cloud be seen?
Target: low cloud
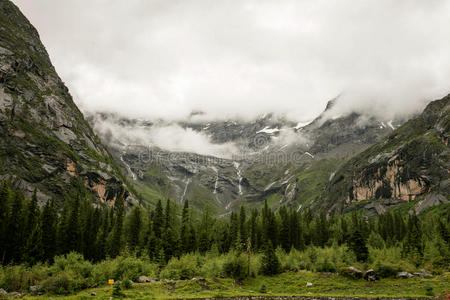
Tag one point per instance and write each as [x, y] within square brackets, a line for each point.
[242, 58]
[170, 137]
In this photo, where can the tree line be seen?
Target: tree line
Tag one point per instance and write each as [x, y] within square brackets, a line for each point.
[30, 234]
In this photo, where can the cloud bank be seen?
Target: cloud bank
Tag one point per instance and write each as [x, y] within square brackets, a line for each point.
[164, 59]
[170, 137]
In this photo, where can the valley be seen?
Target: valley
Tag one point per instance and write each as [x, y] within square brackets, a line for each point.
[198, 194]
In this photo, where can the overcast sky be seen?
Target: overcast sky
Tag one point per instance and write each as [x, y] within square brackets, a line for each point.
[243, 58]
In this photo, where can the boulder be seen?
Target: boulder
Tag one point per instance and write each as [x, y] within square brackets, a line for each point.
[309, 284]
[404, 275]
[34, 289]
[357, 273]
[15, 295]
[143, 279]
[3, 293]
[93, 294]
[370, 275]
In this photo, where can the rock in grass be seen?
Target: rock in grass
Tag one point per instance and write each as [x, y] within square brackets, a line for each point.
[404, 275]
[143, 279]
[93, 294]
[309, 284]
[370, 275]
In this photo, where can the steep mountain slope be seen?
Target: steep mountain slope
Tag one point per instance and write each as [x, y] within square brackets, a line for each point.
[274, 159]
[411, 164]
[45, 143]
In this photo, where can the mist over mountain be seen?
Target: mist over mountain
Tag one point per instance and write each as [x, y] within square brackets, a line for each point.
[240, 59]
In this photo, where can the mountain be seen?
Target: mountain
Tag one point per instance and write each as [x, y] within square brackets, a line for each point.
[268, 158]
[409, 165]
[46, 144]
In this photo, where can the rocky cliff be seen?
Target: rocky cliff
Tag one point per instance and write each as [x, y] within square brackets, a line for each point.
[46, 144]
[412, 163]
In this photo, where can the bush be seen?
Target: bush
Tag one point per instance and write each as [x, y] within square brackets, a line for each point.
[213, 267]
[236, 266]
[324, 265]
[186, 267]
[60, 284]
[121, 268]
[385, 270]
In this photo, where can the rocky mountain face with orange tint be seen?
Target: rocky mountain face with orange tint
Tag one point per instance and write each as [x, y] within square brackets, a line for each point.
[411, 164]
[45, 142]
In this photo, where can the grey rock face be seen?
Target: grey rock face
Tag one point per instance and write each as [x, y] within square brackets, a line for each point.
[45, 143]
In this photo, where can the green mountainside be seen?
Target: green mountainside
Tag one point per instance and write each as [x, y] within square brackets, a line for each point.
[411, 164]
[45, 142]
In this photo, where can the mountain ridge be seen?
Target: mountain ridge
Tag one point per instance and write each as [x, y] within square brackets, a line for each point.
[46, 144]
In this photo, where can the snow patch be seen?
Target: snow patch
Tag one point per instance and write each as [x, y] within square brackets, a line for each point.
[309, 154]
[390, 125]
[268, 130]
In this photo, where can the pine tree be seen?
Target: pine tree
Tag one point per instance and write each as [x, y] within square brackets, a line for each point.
[358, 245]
[243, 228]
[170, 240]
[5, 196]
[73, 234]
[413, 245]
[270, 262]
[134, 228]
[115, 244]
[285, 234]
[270, 227]
[158, 221]
[14, 240]
[31, 215]
[34, 247]
[185, 228]
[48, 225]
[204, 241]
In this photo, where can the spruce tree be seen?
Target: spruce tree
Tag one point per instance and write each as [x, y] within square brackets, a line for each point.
[73, 234]
[15, 239]
[270, 262]
[31, 215]
[285, 236]
[243, 228]
[48, 223]
[134, 228]
[5, 195]
[358, 245]
[115, 243]
[413, 245]
[185, 228]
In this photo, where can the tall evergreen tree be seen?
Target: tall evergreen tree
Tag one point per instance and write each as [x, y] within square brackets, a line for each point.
[358, 245]
[413, 245]
[285, 232]
[270, 262]
[115, 242]
[48, 223]
[243, 228]
[14, 240]
[134, 228]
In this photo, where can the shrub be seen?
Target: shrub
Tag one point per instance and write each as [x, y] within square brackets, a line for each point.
[184, 268]
[324, 265]
[60, 284]
[236, 266]
[121, 268]
[386, 269]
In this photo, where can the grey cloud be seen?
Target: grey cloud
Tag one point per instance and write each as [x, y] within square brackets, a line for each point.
[164, 59]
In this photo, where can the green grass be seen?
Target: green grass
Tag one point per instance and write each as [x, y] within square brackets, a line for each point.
[286, 284]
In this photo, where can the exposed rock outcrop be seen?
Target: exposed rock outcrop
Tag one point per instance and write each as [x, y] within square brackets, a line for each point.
[45, 142]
